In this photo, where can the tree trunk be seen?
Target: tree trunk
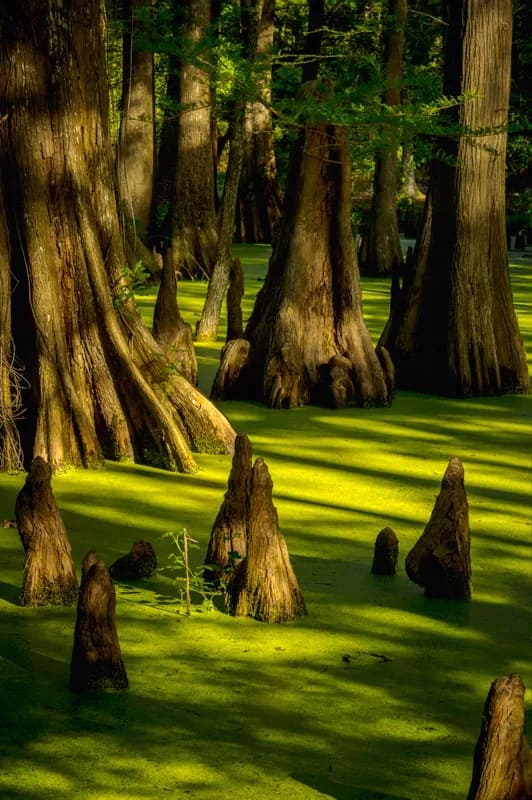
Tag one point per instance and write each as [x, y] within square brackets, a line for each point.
[166, 172]
[96, 662]
[228, 540]
[235, 293]
[98, 384]
[409, 187]
[264, 585]
[259, 196]
[194, 232]
[380, 252]
[440, 560]
[251, 11]
[170, 330]
[136, 138]
[306, 340]
[502, 766]
[453, 329]
[49, 574]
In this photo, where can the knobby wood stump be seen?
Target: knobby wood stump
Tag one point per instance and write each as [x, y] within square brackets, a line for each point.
[440, 561]
[96, 662]
[502, 765]
[386, 553]
[49, 575]
[264, 585]
[228, 534]
[140, 562]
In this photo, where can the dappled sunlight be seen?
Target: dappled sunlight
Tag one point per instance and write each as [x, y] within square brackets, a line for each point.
[377, 694]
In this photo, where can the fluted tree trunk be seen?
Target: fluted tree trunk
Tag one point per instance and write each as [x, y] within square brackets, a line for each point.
[380, 252]
[306, 340]
[452, 328]
[98, 385]
[136, 138]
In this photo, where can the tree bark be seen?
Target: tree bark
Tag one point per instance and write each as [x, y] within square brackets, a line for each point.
[228, 540]
[49, 574]
[194, 233]
[264, 585]
[170, 330]
[453, 329]
[259, 196]
[440, 561]
[502, 766]
[96, 662]
[98, 384]
[251, 12]
[136, 138]
[380, 252]
[306, 339]
[235, 293]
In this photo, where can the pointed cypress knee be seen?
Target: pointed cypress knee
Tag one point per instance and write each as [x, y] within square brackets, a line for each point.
[440, 561]
[264, 585]
[228, 541]
[386, 553]
[49, 574]
[502, 765]
[96, 662]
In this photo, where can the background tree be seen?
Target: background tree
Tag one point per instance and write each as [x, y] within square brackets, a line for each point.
[194, 233]
[136, 139]
[251, 13]
[98, 384]
[453, 328]
[380, 251]
[259, 196]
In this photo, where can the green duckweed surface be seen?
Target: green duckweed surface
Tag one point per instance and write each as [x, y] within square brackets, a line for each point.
[376, 695]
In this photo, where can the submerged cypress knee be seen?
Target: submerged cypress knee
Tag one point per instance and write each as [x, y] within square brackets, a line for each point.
[140, 562]
[502, 765]
[264, 585]
[440, 560]
[228, 541]
[49, 575]
[96, 662]
[385, 553]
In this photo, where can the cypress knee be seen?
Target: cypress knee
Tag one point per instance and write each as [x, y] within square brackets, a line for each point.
[140, 562]
[49, 575]
[502, 765]
[228, 534]
[96, 662]
[264, 585]
[385, 553]
[440, 560]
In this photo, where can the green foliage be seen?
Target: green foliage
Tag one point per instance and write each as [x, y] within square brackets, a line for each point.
[189, 581]
[134, 278]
